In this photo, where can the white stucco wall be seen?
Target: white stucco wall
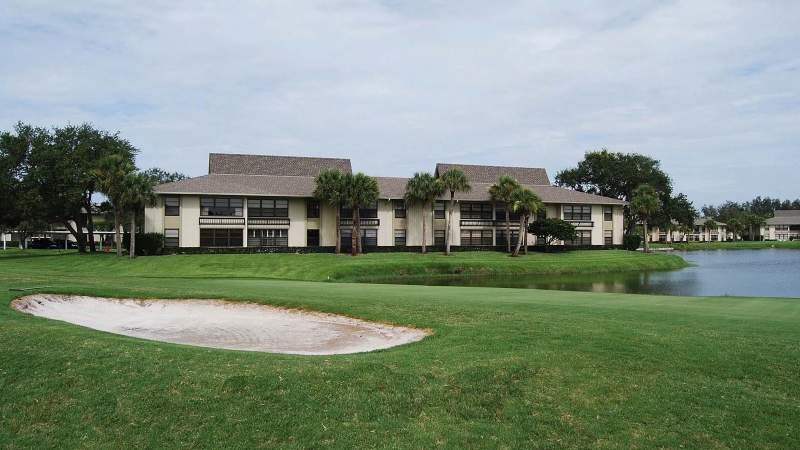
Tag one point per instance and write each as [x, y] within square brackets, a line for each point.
[190, 221]
[154, 217]
[297, 222]
[386, 227]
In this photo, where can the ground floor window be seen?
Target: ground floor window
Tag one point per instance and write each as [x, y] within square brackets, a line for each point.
[171, 237]
[476, 238]
[608, 237]
[400, 238]
[438, 238]
[369, 237]
[582, 237]
[312, 238]
[268, 238]
[221, 237]
[501, 237]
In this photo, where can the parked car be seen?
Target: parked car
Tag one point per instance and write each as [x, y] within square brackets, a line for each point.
[42, 243]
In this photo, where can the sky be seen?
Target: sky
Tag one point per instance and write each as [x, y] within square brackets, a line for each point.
[709, 88]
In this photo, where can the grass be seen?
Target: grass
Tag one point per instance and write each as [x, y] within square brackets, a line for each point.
[506, 368]
[729, 245]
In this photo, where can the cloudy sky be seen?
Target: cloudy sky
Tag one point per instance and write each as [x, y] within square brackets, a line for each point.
[712, 89]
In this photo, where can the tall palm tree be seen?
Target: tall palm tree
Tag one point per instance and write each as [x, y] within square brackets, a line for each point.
[644, 205]
[359, 191]
[502, 192]
[454, 180]
[330, 189]
[111, 173]
[423, 189]
[525, 203]
[136, 195]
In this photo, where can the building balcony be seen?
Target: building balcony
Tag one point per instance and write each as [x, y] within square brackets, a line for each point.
[581, 223]
[222, 221]
[362, 222]
[477, 222]
[268, 221]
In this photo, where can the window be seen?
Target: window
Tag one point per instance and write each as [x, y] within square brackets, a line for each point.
[476, 211]
[367, 212]
[582, 213]
[438, 238]
[171, 237]
[608, 213]
[500, 214]
[172, 206]
[400, 237]
[501, 237]
[220, 237]
[268, 238]
[312, 209]
[476, 238]
[369, 237]
[438, 209]
[608, 237]
[312, 238]
[221, 206]
[541, 214]
[399, 209]
[267, 207]
[583, 237]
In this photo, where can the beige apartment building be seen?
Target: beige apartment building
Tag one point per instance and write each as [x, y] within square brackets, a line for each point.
[784, 226]
[267, 201]
[700, 233]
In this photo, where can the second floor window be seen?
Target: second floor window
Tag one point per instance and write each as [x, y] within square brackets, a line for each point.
[367, 212]
[578, 212]
[172, 206]
[438, 209]
[399, 209]
[475, 211]
[221, 206]
[312, 209]
[608, 214]
[267, 208]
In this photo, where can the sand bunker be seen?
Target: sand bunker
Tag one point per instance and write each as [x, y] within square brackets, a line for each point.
[221, 324]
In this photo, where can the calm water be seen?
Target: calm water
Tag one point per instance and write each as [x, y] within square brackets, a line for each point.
[756, 273]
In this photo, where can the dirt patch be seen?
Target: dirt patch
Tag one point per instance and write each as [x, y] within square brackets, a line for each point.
[221, 324]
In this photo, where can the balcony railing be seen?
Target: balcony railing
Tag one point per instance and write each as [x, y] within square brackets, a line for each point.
[362, 222]
[477, 222]
[581, 223]
[268, 221]
[222, 221]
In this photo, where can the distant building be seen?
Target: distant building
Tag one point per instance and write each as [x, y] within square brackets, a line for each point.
[785, 226]
[699, 233]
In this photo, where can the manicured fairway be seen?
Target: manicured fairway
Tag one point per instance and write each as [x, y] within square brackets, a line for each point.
[506, 368]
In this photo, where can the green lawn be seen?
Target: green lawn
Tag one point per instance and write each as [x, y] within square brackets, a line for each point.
[506, 368]
[734, 245]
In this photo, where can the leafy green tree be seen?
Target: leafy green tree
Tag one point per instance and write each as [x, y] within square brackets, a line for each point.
[502, 192]
[710, 224]
[551, 230]
[160, 176]
[359, 191]
[423, 189]
[753, 222]
[112, 177]
[645, 204]
[525, 203]
[454, 180]
[15, 150]
[137, 194]
[330, 189]
[735, 226]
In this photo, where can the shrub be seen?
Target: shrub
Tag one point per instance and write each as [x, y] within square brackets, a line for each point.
[631, 242]
[146, 243]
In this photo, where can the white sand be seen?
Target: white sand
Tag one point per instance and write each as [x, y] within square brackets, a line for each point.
[221, 324]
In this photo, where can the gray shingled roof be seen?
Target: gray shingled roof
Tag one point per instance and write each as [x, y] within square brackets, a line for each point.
[548, 194]
[300, 166]
[217, 184]
[490, 174]
[393, 188]
[785, 217]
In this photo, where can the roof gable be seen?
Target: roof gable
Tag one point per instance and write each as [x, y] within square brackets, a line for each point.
[298, 166]
[490, 174]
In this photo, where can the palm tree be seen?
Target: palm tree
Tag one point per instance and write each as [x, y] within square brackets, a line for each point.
[359, 191]
[423, 189]
[753, 221]
[525, 203]
[454, 180]
[735, 226]
[644, 205]
[330, 189]
[111, 173]
[137, 193]
[502, 192]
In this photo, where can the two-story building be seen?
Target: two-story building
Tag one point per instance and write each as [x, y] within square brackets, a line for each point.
[784, 226]
[267, 201]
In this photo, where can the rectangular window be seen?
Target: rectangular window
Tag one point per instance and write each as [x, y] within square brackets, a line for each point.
[400, 238]
[581, 213]
[608, 213]
[475, 211]
[438, 238]
[501, 237]
[312, 238]
[583, 238]
[221, 206]
[267, 207]
[500, 214]
[438, 209]
[312, 209]
[221, 237]
[171, 237]
[367, 212]
[399, 209]
[369, 237]
[172, 206]
[476, 238]
[608, 237]
[268, 238]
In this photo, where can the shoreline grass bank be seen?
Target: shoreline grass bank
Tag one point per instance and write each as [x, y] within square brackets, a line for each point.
[727, 245]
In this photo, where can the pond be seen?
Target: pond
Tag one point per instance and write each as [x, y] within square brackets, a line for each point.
[752, 273]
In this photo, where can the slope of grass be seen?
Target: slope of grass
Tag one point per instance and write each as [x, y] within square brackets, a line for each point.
[330, 267]
[506, 368]
[729, 245]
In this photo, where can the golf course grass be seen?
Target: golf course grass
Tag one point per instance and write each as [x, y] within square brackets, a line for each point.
[504, 368]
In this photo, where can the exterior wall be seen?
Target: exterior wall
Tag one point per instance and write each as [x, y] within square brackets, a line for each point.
[414, 230]
[619, 224]
[297, 222]
[154, 217]
[599, 226]
[386, 223]
[190, 221]
[327, 226]
[455, 229]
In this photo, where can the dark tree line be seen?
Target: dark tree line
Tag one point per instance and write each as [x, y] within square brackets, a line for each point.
[746, 218]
